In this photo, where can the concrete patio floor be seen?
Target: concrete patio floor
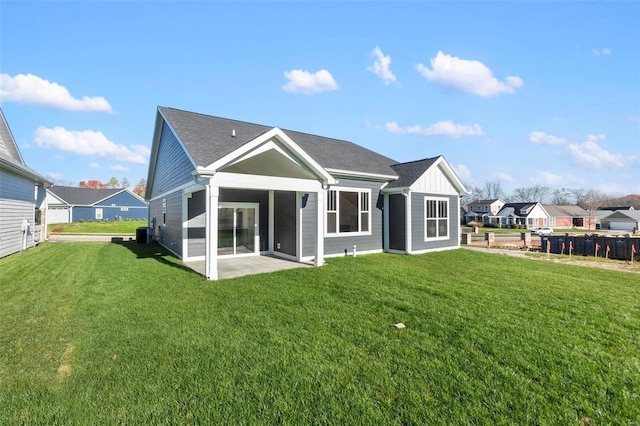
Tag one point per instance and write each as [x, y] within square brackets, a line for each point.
[233, 267]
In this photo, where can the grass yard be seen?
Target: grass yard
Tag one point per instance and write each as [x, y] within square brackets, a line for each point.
[105, 333]
[98, 227]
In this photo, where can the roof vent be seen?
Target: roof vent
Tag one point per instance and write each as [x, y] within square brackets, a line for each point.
[233, 133]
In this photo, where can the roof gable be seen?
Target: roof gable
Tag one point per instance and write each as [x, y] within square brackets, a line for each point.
[83, 196]
[427, 175]
[208, 139]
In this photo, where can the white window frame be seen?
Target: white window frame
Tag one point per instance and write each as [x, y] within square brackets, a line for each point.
[438, 218]
[336, 211]
[99, 213]
[164, 212]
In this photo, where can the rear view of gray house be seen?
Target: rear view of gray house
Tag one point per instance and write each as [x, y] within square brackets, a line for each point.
[225, 188]
[22, 196]
[68, 204]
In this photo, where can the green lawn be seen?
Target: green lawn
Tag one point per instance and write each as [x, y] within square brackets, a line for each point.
[98, 227]
[105, 333]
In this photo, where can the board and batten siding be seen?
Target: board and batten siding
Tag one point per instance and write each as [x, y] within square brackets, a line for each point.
[367, 243]
[397, 222]
[284, 222]
[173, 167]
[418, 242]
[309, 225]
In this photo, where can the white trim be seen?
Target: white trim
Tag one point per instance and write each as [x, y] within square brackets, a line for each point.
[320, 218]
[254, 144]
[408, 240]
[272, 222]
[363, 175]
[385, 222]
[299, 196]
[424, 218]
[339, 234]
[258, 182]
[256, 227]
[176, 189]
[185, 225]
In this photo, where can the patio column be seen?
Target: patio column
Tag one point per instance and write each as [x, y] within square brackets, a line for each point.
[320, 225]
[211, 245]
[407, 222]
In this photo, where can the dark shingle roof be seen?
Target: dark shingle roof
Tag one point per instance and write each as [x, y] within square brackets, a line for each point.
[410, 172]
[82, 196]
[209, 138]
[483, 202]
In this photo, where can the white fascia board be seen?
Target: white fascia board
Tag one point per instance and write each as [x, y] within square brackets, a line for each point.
[362, 175]
[399, 190]
[242, 181]
[106, 198]
[254, 144]
[61, 201]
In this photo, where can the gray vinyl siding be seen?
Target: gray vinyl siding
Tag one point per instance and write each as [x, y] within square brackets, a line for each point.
[251, 196]
[169, 234]
[373, 242]
[197, 222]
[418, 223]
[15, 187]
[12, 213]
[123, 199]
[285, 222]
[397, 222]
[309, 225]
[173, 167]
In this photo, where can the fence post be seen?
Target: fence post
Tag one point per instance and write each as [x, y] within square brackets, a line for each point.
[490, 237]
[526, 237]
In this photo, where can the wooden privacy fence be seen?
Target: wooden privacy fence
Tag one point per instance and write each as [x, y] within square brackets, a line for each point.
[623, 248]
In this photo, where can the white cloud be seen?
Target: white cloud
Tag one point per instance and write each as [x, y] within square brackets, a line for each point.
[441, 128]
[548, 178]
[88, 142]
[589, 154]
[94, 165]
[467, 75]
[31, 89]
[380, 66]
[598, 52]
[306, 83]
[505, 176]
[119, 168]
[463, 172]
[545, 139]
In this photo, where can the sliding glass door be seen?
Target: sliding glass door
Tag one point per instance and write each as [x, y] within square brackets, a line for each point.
[237, 229]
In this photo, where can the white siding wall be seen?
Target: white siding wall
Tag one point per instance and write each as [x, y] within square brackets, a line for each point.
[434, 181]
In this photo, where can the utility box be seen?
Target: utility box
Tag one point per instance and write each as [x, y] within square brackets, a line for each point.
[141, 235]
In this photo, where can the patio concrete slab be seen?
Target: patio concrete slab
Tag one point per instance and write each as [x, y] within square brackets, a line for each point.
[248, 265]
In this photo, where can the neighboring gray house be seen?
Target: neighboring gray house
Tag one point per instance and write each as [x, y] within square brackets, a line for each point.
[218, 188]
[67, 204]
[22, 221]
[484, 211]
[621, 220]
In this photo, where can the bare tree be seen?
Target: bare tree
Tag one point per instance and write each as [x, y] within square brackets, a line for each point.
[561, 197]
[493, 189]
[124, 183]
[531, 193]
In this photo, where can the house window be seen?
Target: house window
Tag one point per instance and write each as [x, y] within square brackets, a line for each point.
[436, 218]
[552, 221]
[164, 212]
[348, 211]
[38, 217]
[98, 214]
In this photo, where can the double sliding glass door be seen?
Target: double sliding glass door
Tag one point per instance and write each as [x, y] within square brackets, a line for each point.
[237, 229]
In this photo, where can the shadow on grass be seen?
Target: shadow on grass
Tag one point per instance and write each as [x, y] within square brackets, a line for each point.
[154, 251]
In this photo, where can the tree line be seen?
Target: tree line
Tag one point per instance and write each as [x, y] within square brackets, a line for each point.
[114, 183]
[588, 199]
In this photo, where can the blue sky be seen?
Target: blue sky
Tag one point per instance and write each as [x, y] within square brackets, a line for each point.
[524, 93]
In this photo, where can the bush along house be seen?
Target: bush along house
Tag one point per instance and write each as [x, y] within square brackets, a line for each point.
[221, 188]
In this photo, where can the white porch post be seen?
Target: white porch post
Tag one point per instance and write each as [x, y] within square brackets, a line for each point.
[272, 221]
[320, 225]
[211, 246]
[407, 224]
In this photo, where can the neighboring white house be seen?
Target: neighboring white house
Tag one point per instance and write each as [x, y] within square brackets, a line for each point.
[22, 195]
[526, 215]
